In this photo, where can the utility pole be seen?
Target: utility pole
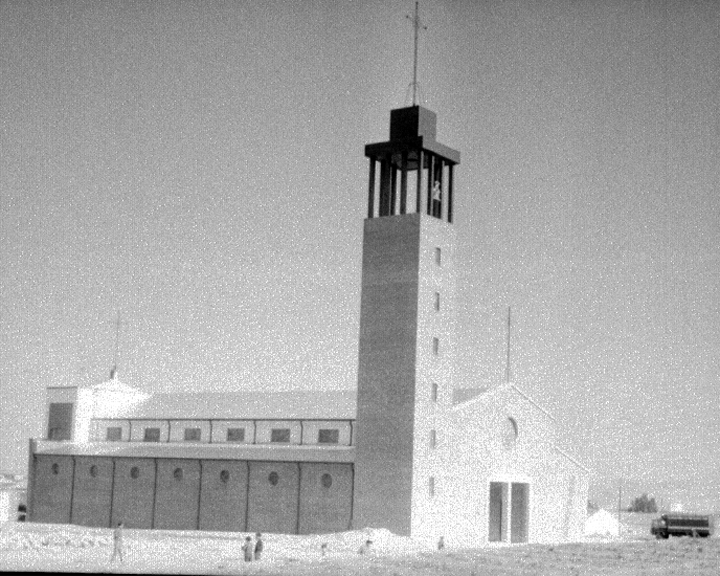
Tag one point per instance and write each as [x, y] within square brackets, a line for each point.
[508, 373]
[619, 504]
[113, 372]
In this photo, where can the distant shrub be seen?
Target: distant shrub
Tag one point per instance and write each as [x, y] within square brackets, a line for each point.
[643, 504]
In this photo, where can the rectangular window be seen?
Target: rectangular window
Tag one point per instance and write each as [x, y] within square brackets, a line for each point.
[280, 435]
[436, 346]
[438, 256]
[431, 486]
[433, 438]
[434, 392]
[192, 434]
[113, 434]
[328, 436]
[437, 302]
[152, 435]
[236, 434]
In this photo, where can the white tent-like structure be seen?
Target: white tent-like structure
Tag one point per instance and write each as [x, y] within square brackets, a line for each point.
[603, 524]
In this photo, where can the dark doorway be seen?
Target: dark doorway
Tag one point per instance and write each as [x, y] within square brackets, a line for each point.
[519, 512]
[509, 508]
[60, 416]
[495, 511]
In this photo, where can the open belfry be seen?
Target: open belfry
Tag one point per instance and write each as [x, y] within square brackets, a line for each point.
[419, 449]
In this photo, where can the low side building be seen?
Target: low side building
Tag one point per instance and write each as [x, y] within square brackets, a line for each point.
[12, 495]
[494, 471]
[240, 462]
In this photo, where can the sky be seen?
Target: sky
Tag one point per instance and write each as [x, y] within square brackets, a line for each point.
[198, 169]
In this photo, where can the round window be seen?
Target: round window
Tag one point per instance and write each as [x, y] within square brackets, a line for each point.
[273, 478]
[178, 474]
[134, 472]
[55, 468]
[326, 480]
[224, 476]
[509, 433]
[93, 471]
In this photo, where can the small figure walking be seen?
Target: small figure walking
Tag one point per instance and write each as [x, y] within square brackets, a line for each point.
[247, 549]
[117, 543]
[365, 548]
[441, 543]
[323, 549]
[258, 546]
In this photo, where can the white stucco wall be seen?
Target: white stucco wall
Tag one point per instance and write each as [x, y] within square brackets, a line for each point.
[264, 428]
[99, 429]
[5, 506]
[137, 429]
[311, 428]
[479, 455]
[431, 368]
[83, 415]
[178, 427]
[220, 428]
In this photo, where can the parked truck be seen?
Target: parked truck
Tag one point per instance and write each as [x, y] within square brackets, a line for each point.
[680, 524]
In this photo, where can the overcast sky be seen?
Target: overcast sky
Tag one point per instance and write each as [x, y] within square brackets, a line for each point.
[198, 167]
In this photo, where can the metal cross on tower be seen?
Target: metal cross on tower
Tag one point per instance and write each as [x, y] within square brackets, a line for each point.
[417, 24]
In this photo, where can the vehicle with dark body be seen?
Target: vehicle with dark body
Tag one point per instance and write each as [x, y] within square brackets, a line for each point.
[681, 524]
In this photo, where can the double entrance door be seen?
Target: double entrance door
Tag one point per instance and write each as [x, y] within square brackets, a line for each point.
[509, 512]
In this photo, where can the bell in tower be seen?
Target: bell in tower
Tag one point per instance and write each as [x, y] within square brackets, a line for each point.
[424, 167]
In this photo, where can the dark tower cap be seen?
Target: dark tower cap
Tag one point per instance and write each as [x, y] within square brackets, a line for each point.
[412, 122]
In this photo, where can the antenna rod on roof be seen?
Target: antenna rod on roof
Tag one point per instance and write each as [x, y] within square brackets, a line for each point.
[507, 366]
[113, 372]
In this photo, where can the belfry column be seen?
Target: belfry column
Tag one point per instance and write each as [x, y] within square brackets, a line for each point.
[405, 344]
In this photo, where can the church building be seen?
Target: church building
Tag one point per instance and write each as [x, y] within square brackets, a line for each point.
[416, 449]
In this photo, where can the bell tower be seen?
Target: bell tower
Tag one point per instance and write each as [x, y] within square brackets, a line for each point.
[406, 337]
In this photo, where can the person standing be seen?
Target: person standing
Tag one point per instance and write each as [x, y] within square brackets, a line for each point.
[247, 549]
[117, 543]
[258, 546]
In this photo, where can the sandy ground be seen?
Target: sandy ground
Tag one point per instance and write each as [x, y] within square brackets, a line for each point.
[62, 548]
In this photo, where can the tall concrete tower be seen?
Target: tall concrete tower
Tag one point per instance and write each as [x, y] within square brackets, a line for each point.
[406, 335]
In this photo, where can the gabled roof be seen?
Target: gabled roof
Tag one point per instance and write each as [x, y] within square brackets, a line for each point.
[113, 392]
[115, 386]
[461, 395]
[471, 395]
[295, 405]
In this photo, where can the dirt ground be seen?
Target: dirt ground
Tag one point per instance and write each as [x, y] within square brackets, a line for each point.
[62, 548]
